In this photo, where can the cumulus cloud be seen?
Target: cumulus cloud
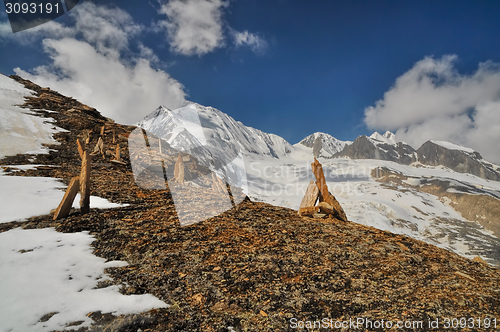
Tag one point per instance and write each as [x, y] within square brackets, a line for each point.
[194, 27]
[257, 44]
[88, 63]
[434, 101]
[106, 28]
[123, 92]
[26, 37]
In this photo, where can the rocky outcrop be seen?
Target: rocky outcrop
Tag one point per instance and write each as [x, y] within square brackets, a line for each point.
[324, 145]
[365, 147]
[460, 160]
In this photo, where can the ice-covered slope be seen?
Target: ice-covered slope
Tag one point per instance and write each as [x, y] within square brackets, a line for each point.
[325, 143]
[196, 125]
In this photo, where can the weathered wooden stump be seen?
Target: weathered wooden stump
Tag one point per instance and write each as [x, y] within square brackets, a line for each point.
[85, 183]
[64, 207]
[81, 147]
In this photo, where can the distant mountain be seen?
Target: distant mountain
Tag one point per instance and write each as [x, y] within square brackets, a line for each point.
[216, 138]
[212, 132]
[457, 158]
[382, 147]
[326, 144]
[432, 153]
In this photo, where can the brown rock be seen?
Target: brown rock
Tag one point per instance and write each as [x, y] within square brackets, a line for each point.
[320, 179]
[308, 210]
[117, 156]
[99, 147]
[325, 195]
[326, 208]
[197, 299]
[118, 162]
[51, 97]
[86, 135]
[310, 197]
[463, 275]
[479, 260]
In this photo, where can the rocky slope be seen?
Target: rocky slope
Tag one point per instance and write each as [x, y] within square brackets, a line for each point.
[375, 147]
[433, 153]
[256, 266]
[457, 158]
[326, 144]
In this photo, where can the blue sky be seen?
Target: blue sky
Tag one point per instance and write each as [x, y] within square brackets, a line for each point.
[286, 67]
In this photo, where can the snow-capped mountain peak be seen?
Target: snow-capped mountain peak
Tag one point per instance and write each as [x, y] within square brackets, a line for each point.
[326, 144]
[387, 138]
[214, 129]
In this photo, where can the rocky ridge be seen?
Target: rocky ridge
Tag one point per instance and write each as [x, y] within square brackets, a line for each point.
[365, 147]
[327, 144]
[461, 160]
[432, 153]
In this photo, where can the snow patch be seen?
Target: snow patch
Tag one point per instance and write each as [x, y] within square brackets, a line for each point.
[22, 197]
[44, 272]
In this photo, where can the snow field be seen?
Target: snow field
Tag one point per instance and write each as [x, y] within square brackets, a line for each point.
[44, 272]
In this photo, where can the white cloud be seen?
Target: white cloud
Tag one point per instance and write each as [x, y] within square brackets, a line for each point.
[5, 29]
[26, 37]
[434, 101]
[88, 64]
[107, 28]
[148, 54]
[245, 38]
[122, 92]
[194, 27]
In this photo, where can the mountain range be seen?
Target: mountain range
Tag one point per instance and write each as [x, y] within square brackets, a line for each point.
[430, 193]
[221, 137]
